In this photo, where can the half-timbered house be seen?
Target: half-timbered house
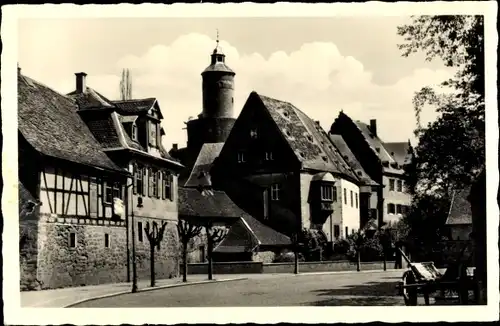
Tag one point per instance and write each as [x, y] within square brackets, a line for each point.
[71, 230]
[130, 133]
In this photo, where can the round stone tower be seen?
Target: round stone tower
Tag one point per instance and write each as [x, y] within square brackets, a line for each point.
[218, 87]
[216, 119]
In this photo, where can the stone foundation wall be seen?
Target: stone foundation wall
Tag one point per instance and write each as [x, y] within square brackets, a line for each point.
[264, 256]
[88, 263]
[48, 261]
[28, 255]
[167, 258]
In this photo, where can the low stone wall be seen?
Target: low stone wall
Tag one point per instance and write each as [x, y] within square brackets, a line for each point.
[249, 267]
[323, 266]
[47, 260]
[288, 267]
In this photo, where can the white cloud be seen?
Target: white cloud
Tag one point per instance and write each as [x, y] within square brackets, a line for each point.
[316, 78]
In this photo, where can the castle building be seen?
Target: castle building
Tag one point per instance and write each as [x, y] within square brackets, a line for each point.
[383, 162]
[216, 120]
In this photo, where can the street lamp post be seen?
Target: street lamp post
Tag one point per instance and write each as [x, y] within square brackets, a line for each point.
[134, 263]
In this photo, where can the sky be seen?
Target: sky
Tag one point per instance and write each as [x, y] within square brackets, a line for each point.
[321, 65]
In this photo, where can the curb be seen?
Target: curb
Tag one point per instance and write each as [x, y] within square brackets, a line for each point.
[115, 294]
[349, 272]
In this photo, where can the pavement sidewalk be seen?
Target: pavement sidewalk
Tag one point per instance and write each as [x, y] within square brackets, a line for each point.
[58, 298]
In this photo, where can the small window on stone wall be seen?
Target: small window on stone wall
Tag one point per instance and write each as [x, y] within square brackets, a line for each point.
[139, 231]
[72, 240]
[106, 240]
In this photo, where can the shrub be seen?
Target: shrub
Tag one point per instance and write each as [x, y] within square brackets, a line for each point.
[287, 257]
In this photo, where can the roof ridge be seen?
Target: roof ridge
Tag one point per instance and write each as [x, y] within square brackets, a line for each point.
[48, 87]
[133, 99]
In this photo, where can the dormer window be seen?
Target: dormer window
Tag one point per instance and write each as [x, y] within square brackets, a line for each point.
[153, 134]
[134, 132]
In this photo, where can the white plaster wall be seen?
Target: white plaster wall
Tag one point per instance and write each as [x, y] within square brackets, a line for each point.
[394, 197]
[350, 214]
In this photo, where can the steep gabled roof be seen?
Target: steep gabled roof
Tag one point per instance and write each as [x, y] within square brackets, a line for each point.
[90, 99]
[135, 106]
[348, 155]
[374, 142]
[201, 170]
[210, 204]
[306, 138]
[460, 210]
[248, 233]
[399, 151]
[50, 123]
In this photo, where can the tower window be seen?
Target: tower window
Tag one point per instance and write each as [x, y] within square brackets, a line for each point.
[106, 240]
[269, 156]
[241, 157]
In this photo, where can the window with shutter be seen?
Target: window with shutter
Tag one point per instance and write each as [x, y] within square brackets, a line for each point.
[144, 183]
[167, 186]
[150, 182]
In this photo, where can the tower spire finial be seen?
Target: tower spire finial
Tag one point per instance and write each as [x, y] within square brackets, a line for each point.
[217, 37]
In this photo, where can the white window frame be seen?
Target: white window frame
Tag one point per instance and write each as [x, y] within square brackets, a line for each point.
[269, 156]
[241, 157]
[275, 191]
[134, 131]
[392, 184]
[327, 192]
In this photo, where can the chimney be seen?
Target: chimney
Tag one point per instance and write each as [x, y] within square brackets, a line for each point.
[373, 126]
[175, 147]
[81, 83]
[18, 69]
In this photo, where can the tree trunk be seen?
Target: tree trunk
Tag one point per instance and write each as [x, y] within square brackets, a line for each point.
[358, 263]
[152, 265]
[184, 262]
[210, 263]
[385, 260]
[296, 260]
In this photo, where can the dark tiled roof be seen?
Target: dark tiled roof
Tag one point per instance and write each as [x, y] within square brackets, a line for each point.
[200, 174]
[90, 99]
[348, 155]
[460, 210]
[399, 151]
[306, 138]
[377, 146]
[266, 235]
[134, 106]
[49, 122]
[218, 66]
[193, 203]
[103, 128]
[248, 233]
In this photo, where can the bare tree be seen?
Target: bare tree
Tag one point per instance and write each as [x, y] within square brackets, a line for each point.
[155, 236]
[187, 231]
[214, 236]
[295, 238]
[126, 85]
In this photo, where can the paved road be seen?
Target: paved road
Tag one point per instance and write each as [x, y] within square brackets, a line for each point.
[360, 289]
